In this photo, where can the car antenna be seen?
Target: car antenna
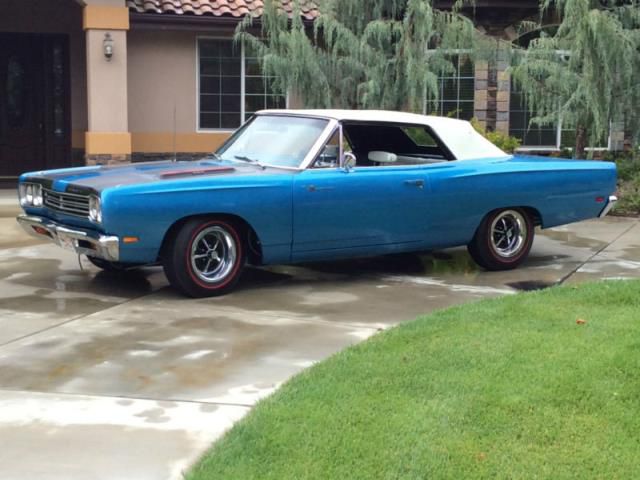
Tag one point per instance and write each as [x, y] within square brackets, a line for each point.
[175, 153]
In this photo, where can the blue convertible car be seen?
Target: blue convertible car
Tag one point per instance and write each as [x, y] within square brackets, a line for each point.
[293, 186]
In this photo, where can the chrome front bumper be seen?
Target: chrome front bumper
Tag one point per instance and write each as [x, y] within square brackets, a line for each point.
[610, 203]
[79, 241]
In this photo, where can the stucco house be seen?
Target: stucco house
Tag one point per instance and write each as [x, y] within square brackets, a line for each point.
[86, 81]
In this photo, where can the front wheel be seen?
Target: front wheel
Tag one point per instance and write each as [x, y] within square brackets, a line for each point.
[503, 239]
[205, 258]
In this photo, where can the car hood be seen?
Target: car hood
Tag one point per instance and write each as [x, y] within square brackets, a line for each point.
[101, 177]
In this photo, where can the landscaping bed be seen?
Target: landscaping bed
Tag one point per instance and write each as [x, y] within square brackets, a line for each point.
[628, 188]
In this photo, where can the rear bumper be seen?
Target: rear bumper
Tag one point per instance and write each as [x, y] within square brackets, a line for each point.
[80, 241]
[610, 203]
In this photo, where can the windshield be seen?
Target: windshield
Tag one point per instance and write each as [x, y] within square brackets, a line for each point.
[274, 140]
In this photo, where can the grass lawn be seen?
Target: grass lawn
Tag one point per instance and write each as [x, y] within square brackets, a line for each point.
[505, 388]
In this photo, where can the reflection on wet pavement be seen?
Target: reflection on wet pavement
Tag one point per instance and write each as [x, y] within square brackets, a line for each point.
[42, 286]
[84, 345]
[160, 351]
[530, 285]
[428, 263]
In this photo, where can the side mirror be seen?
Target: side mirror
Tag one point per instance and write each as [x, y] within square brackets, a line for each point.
[348, 161]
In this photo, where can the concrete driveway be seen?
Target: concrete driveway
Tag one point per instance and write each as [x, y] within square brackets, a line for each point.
[117, 377]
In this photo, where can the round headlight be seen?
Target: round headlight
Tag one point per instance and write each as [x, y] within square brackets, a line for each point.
[95, 209]
[29, 194]
[37, 195]
[22, 193]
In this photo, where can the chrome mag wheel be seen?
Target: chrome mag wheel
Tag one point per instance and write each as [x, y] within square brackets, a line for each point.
[214, 254]
[204, 257]
[508, 233]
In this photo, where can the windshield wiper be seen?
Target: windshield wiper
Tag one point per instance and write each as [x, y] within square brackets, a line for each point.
[249, 160]
[245, 159]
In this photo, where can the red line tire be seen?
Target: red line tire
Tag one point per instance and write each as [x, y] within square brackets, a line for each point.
[205, 257]
[503, 240]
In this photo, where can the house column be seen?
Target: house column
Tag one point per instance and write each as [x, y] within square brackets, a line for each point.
[481, 95]
[108, 139]
[503, 95]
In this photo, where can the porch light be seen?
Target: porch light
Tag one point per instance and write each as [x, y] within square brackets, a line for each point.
[107, 46]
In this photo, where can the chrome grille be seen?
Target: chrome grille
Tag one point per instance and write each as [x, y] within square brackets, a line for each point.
[69, 203]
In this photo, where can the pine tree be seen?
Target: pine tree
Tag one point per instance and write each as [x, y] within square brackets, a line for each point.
[585, 74]
[360, 53]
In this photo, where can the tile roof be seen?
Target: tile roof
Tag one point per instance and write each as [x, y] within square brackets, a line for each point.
[217, 8]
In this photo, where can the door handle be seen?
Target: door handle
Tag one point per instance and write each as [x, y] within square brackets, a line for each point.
[415, 183]
[313, 188]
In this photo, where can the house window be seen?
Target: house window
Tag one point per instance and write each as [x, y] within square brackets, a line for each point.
[543, 137]
[519, 124]
[258, 94]
[457, 89]
[231, 86]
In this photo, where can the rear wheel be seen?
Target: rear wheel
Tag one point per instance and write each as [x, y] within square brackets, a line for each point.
[503, 239]
[205, 258]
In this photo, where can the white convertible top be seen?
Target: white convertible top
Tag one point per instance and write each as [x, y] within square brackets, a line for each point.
[459, 136]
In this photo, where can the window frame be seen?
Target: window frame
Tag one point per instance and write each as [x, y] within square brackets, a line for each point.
[558, 145]
[441, 79]
[242, 94]
[526, 110]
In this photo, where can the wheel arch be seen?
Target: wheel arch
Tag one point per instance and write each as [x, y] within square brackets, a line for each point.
[247, 233]
[534, 213]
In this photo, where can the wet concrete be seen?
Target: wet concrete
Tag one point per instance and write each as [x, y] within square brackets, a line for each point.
[62, 437]
[9, 202]
[12, 234]
[168, 350]
[620, 260]
[43, 286]
[118, 376]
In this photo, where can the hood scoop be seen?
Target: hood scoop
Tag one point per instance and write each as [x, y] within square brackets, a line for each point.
[196, 171]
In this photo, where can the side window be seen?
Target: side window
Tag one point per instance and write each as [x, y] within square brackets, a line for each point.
[420, 136]
[384, 145]
[330, 155]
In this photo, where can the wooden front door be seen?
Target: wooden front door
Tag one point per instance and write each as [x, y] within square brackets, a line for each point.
[34, 103]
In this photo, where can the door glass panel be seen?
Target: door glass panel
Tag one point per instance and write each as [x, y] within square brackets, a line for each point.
[330, 155]
[16, 93]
